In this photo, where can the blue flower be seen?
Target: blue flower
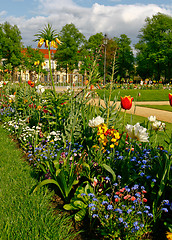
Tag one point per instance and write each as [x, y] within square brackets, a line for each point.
[83, 194]
[107, 178]
[95, 199]
[104, 202]
[129, 211]
[93, 209]
[139, 212]
[164, 209]
[165, 202]
[91, 205]
[135, 223]
[95, 215]
[109, 207]
[119, 177]
[135, 187]
[90, 194]
[106, 216]
[153, 180]
[150, 214]
[141, 225]
[120, 220]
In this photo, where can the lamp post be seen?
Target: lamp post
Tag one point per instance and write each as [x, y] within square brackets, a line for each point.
[105, 40]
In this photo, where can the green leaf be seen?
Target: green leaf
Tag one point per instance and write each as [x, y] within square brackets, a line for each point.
[57, 172]
[69, 207]
[79, 204]
[79, 216]
[109, 169]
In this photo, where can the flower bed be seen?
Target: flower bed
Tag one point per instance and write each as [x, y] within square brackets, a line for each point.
[103, 169]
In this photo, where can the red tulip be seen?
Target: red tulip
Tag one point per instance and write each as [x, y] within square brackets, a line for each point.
[170, 98]
[126, 102]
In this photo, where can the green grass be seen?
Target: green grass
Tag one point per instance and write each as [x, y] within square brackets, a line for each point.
[146, 95]
[25, 215]
[160, 107]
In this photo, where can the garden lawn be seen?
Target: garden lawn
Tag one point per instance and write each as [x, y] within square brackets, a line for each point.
[25, 215]
[145, 95]
[160, 107]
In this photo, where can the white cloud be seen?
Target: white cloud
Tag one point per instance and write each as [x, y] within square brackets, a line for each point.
[113, 20]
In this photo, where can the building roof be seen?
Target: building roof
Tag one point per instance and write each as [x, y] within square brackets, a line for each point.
[44, 51]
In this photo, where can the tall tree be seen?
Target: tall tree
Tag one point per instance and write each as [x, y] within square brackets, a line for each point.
[10, 45]
[67, 55]
[156, 35]
[125, 60]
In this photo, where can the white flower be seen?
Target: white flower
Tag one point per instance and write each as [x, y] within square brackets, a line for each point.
[96, 121]
[158, 125]
[152, 118]
[40, 89]
[12, 97]
[137, 132]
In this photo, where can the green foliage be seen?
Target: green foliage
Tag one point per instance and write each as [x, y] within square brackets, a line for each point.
[125, 57]
[67, 55]
[155, 49]
[79, 203]
[10, 43]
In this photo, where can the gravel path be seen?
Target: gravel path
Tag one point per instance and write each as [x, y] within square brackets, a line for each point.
[146, 112]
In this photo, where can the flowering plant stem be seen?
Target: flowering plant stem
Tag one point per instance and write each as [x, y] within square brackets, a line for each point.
[111, 82]
[52, 80]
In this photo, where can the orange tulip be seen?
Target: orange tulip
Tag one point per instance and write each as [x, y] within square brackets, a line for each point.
[58, 41]
[126, 102]
[170, 98]
[40, 43]
[46, 43]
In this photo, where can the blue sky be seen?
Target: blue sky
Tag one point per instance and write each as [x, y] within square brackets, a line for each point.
[113, 17]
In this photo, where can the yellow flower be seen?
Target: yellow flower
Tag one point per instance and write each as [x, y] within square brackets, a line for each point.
[40, 43]
[169, 235]
[113, 140]
[112, 146]
[54, 44]
[39, 107]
